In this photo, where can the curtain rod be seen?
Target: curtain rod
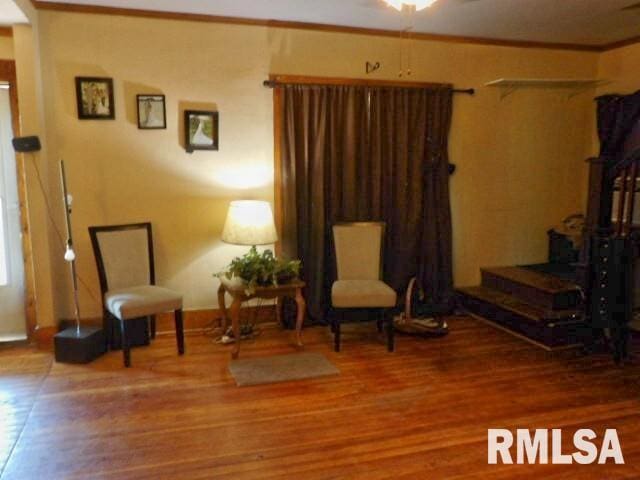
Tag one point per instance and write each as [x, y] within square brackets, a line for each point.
[273, 84]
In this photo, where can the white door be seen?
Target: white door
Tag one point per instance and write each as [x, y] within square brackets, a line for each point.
[12, 300]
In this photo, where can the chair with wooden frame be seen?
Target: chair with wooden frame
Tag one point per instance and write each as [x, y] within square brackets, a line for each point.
[124, 257]
[359, 248]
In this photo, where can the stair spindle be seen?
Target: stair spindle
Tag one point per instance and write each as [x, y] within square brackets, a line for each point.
[622, 200]
[632, 198]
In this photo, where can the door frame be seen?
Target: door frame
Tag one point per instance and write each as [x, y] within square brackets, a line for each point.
[8, 74]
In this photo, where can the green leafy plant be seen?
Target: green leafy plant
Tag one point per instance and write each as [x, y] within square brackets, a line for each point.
[261, 270]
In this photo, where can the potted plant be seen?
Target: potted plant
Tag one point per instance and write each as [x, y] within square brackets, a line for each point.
[261, 269]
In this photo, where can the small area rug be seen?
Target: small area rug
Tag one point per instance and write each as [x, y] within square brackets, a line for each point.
[281, 368]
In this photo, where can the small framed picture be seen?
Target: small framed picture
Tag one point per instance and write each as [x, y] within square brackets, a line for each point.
[201, 130]
[94, 96]
[151, 112]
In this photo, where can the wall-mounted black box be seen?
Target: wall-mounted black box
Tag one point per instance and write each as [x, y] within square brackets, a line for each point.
[83, 347]
[26, 144]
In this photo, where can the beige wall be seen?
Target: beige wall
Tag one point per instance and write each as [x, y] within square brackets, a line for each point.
[6, 48]
[520, 159]
[621, 67]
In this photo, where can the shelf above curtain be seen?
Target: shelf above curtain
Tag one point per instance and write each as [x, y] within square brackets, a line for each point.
[574, 85]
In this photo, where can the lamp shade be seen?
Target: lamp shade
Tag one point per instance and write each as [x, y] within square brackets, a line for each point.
[249, 222]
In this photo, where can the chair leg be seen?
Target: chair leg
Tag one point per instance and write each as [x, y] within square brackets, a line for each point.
[179, 331]
[331, 315]
[336, 331]
[390, 331]
[152, 327]
[126, 348]
[107, 328]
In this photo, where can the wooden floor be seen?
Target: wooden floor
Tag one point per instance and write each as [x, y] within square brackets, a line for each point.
[421, 413]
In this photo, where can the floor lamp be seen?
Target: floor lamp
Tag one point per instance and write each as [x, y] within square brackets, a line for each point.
[78, 344]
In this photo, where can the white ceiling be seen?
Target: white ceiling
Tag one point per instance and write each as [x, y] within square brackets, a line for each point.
[10, 14]
[588, 22]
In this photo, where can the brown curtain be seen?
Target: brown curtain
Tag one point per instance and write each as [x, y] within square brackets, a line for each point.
[353, 153]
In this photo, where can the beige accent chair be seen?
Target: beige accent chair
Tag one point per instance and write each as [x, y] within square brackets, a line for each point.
[124, 257]
[358, 249]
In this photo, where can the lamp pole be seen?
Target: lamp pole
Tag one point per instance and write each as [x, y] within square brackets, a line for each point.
[69, 254]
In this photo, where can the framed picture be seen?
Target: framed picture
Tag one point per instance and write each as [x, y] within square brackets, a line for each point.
[95, 98]
[201, 130]
[151, 112]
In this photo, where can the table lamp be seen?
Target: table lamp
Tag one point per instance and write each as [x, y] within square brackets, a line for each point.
[249, 222]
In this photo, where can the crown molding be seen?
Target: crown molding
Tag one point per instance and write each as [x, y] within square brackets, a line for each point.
[197, 17]
[622, 43]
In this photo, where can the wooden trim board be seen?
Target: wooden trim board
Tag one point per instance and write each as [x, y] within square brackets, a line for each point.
[43, 337]
[198, 17]
[199, 320]
[621, 43]
[194, 321]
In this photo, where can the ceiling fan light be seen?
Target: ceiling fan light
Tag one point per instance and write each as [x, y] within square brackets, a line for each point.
[418, 4]
[422, 4]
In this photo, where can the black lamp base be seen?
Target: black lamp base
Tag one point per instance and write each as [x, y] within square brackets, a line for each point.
[83, 347]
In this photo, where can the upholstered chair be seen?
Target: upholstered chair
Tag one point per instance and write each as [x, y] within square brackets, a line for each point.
[358, 251]
[124, 257]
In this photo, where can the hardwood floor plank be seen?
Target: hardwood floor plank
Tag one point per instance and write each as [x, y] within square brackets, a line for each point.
[22, 372]
[422, 412]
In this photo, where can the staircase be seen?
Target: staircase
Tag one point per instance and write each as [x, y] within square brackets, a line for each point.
[540, 307]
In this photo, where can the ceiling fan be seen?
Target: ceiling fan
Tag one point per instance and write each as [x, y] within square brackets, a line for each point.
[408, 9]
[407, 5]
[417, 4]
[422, 4]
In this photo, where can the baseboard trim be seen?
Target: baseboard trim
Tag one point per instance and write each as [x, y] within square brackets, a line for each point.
[13, 343]
[43, 337]
[197, 320]
[193, 320]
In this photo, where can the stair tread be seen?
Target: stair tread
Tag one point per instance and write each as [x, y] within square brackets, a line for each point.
[530, 278]
[514, 304]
